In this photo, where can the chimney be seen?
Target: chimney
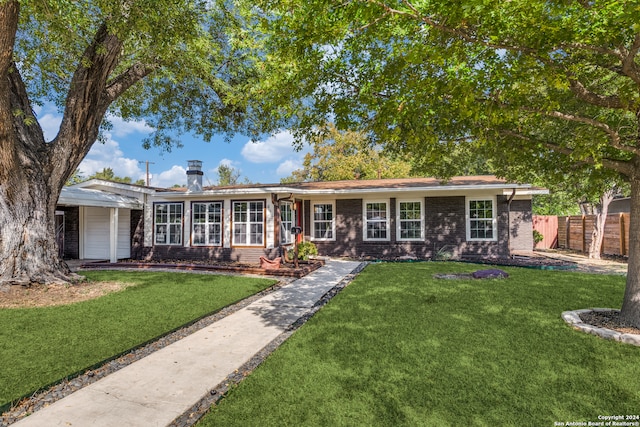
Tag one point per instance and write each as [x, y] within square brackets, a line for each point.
[194, 175]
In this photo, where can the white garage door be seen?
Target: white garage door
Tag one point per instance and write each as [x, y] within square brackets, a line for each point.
[96, 233]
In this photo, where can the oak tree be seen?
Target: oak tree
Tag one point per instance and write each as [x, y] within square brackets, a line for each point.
[530, 84]
[183, 65]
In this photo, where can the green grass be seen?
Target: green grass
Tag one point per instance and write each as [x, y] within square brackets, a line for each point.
[39, 346]
[398, 347]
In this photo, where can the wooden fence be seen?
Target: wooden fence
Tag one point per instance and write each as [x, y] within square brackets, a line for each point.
[574, 232]
[547, 225]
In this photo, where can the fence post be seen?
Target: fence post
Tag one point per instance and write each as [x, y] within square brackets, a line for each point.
[584, 232]
[567, 224]
[623, 249]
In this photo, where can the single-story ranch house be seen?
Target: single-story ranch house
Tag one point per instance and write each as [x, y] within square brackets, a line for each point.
[470, 216]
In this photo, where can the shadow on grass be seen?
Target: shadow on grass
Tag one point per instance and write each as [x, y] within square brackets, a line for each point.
[398, 347]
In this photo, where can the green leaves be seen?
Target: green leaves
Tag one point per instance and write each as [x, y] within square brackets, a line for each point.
[522, 80]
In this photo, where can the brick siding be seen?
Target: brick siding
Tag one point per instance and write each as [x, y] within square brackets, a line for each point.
[175, 252]
[445, 231]
[445, 235]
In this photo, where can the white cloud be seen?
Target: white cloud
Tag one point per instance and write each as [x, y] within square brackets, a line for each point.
[274, 149]
[50, 125]
[101, 155]
[123, 128]
[285, 168]
[168, 178]
[109, 155]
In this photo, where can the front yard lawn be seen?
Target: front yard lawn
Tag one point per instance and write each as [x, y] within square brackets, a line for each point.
[39, 346]
[398, 347]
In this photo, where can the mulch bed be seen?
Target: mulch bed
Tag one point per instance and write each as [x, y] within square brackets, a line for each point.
[538, 262]
[609, 320]
[285, 270]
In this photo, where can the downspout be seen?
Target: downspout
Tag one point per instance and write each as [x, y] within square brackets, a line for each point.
[513, 194]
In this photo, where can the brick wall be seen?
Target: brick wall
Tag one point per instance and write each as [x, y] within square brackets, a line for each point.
[521, 226]
[242, 255]
[445, 235]
[445, 231]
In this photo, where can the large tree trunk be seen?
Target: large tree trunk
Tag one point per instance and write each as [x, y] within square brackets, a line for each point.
[33, 171]
[631, 304]
[601, 211]
[28, 250]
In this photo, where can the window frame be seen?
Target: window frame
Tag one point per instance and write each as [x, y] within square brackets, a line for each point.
[332, 221]
[366, 221]
[207, 223]
[493, 220]
[248, 224]
[168, 224]
[399, 221]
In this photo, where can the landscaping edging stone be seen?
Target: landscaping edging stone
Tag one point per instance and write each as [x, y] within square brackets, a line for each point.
[573, 319]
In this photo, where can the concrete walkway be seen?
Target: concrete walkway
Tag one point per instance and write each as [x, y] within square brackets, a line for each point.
[162, 386]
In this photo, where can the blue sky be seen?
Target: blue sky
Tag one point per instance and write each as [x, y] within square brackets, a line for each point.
[264, 161]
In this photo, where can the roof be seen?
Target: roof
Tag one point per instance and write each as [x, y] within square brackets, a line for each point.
[71, 196]
[371, 186]
[102, 188]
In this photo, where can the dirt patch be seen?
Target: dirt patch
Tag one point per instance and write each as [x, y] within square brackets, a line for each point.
[56, 294]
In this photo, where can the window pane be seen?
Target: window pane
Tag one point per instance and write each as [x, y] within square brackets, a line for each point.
[376, 220]
[161, 234]
[215, 235]
[240, 233]
[199, 234]
[240, 212]
[175, 234]
[256, 234]
[167, 214]
[481, 219]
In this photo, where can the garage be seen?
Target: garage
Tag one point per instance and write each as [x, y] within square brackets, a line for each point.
[96, 237]
[103, 222]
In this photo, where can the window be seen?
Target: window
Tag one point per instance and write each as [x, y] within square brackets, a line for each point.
[481, 219]
[206, 224]
[248, 223]
[376, 221]
[168, 223]
[323, 221]
[410, 220]
[286, 222]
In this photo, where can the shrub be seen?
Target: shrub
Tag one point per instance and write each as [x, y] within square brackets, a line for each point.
[305, 249]
[537, 236]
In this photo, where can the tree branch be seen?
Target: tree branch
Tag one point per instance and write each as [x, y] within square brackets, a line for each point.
[629, 66]
[625, 168]
[9, 11]
[614, 137]
[593, 98]
[128, 78]
[86, 102]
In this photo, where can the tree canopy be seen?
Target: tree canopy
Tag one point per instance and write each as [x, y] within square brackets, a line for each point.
[518, 81]
[540, 85]
[344, 155]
